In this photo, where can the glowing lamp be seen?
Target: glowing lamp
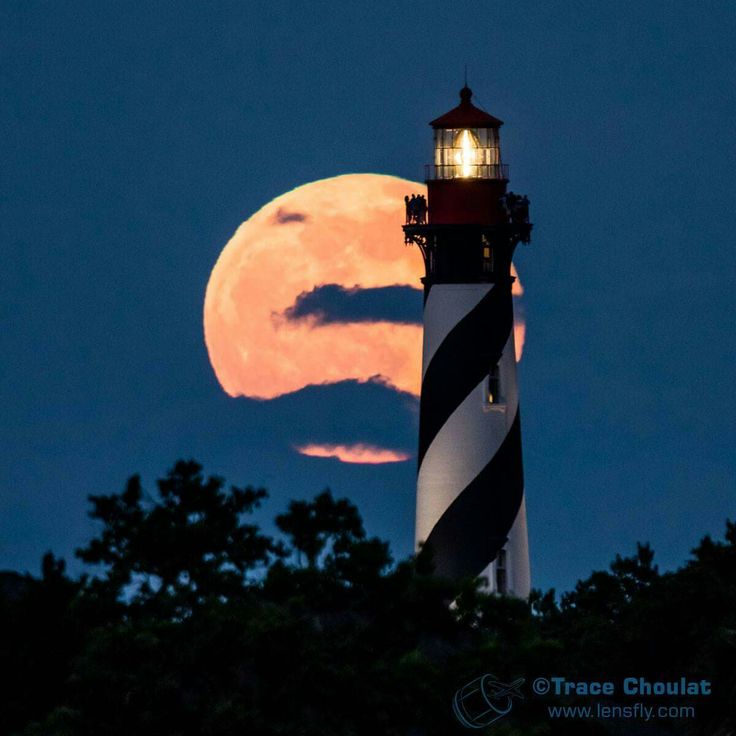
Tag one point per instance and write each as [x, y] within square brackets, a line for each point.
[466, 153]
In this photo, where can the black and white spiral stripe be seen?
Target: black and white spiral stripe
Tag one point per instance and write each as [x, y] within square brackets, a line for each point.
[470, 481]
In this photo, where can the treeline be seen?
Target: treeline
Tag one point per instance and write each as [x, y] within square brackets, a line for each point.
[196, 622]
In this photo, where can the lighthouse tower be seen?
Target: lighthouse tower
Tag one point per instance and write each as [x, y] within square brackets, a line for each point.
[470, 486]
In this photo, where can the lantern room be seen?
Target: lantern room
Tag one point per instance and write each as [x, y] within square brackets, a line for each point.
[469, 224]
[466, 143]
[467, 179]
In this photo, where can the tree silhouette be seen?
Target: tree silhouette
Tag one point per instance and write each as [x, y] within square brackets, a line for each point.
[187, 547]
[312, 525]
[194, 622]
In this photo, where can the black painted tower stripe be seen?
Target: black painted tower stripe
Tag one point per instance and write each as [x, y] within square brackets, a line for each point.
[475, 526]
[462, 359]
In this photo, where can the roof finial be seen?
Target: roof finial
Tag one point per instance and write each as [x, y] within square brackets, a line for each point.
[465, 92]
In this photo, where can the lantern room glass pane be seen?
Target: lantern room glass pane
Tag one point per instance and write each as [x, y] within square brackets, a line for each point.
[467, 153]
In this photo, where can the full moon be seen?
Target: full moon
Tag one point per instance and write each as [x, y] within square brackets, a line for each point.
[345, 230]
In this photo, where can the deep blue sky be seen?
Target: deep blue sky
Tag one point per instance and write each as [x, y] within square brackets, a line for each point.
[137, 136]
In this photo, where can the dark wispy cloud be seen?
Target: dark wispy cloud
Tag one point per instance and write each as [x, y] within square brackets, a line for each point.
[332, 303]
[284, 216]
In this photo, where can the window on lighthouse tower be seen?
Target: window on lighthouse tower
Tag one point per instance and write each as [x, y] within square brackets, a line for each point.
[493, 394]
[487, 256]
[501, 577]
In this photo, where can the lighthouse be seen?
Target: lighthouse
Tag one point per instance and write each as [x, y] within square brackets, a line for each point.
[471, 511]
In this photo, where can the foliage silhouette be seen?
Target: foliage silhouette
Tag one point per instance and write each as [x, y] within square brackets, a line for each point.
[195, 622]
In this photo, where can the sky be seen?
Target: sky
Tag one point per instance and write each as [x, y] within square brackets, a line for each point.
[136, 137]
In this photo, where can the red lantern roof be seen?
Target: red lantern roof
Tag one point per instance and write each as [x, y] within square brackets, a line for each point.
[466, 115]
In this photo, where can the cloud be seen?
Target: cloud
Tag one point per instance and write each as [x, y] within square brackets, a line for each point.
[357, 453]
[283, 216]
[336, 304]
[346, 421]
